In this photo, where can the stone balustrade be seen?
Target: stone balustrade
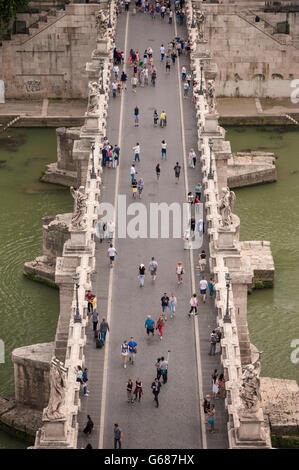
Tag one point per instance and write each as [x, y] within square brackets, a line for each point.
[243, 430]
[79, 253]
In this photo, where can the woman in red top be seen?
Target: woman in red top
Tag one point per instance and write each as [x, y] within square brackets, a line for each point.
[160, 326]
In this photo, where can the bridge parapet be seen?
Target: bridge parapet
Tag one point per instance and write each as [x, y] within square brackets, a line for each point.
[241, 368]
[77, 263]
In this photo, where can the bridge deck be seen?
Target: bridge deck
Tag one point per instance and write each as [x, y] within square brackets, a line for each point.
[176, 424]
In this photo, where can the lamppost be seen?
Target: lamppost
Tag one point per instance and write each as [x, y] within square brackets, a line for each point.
[109, 22]
[102, 91]
[193, 23]
[201, 75]
[210, 174]
[77, 316]
[93, 174]
[227, 317]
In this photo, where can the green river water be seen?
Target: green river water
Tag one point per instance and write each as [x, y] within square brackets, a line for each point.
[29, 310]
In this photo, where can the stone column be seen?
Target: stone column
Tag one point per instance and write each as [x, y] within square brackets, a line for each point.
[222, 152]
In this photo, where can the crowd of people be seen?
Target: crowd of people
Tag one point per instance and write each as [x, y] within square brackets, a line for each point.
[143, 73]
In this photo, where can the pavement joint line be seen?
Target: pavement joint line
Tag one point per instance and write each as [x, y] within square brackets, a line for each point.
[196, 328]
[109, 304]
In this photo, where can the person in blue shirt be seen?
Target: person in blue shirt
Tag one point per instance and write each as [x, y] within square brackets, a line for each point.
[149, 325]
[132, 350]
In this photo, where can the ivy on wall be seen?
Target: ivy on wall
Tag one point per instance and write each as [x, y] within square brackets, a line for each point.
[8, 11]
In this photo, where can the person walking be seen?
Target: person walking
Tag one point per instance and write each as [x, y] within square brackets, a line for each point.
[89, 296]
[110, 229]
[154, 77]
[138, 389]
[136, 115]
[89, 426]
[156, 117]
[134, 188]
[163, 150]
[123, 79]
[162, 52]
[186, 89]
[173, 56]
[172, 304]
[206, 407]
[140, 186]
[211, 286]
[95, 319]
[124, 352]
[212, 419]
[160, 326]
[129, 387]
[158, 369]
[150, 326]
[198, 191]
[215, 387]
[158, 171]
[118, 433]
[153, 266]
[164, 369]
[167, 64]
[141, 270]
[179, 272]
[84, 382]
[163, 119]
[213, 342]
[132, 350]
[156, 386]
[221, 384]
[183, 73]
[134, 82]
[193, 304]
[111, 253]
[165, 304]
[177, 171]
[132, 172]
[136, 152]
[192, 158]
[203, 289]
[104, 327]
[101, 230]
[202, 258]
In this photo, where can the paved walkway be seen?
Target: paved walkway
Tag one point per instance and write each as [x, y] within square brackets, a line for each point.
[177, 424]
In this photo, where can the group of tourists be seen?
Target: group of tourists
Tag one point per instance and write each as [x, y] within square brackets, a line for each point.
[144, 71]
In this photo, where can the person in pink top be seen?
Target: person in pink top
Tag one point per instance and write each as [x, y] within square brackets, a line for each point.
[193, 304]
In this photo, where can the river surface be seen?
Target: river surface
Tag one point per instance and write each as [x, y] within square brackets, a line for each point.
[270, 212]
[28, 310]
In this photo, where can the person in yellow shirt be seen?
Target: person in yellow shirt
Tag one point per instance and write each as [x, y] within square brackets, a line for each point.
[94, 303]
[163, 121]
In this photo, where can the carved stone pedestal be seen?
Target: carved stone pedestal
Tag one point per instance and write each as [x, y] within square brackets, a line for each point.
[102, 47]
[211, 124]
[54, 430]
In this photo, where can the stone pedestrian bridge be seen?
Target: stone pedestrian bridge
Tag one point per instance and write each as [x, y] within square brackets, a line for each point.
[45, 375]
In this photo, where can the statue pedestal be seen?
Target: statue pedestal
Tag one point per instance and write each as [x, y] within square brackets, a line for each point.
[211, 124]
[91, 125]
[54, 430]
[78, 237]
[102, 46]
[251, 426]
[226, 238]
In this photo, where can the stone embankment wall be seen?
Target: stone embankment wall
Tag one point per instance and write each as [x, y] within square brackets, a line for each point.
[250, 169]
[245, 427]
[253, 60]
[50, 61]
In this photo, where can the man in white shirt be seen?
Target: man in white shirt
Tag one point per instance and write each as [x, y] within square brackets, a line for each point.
[163, 149]
[162, 52]
[111, 228]
[137, 152]
[111, 253]
[203, 284]
[116, 71]
[132, 173]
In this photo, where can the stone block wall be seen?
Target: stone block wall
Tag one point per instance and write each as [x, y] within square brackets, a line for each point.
[251, 62]
[31, 374]
[50, 62]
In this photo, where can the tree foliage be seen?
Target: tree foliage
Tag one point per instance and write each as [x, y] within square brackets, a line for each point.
[8, 11]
